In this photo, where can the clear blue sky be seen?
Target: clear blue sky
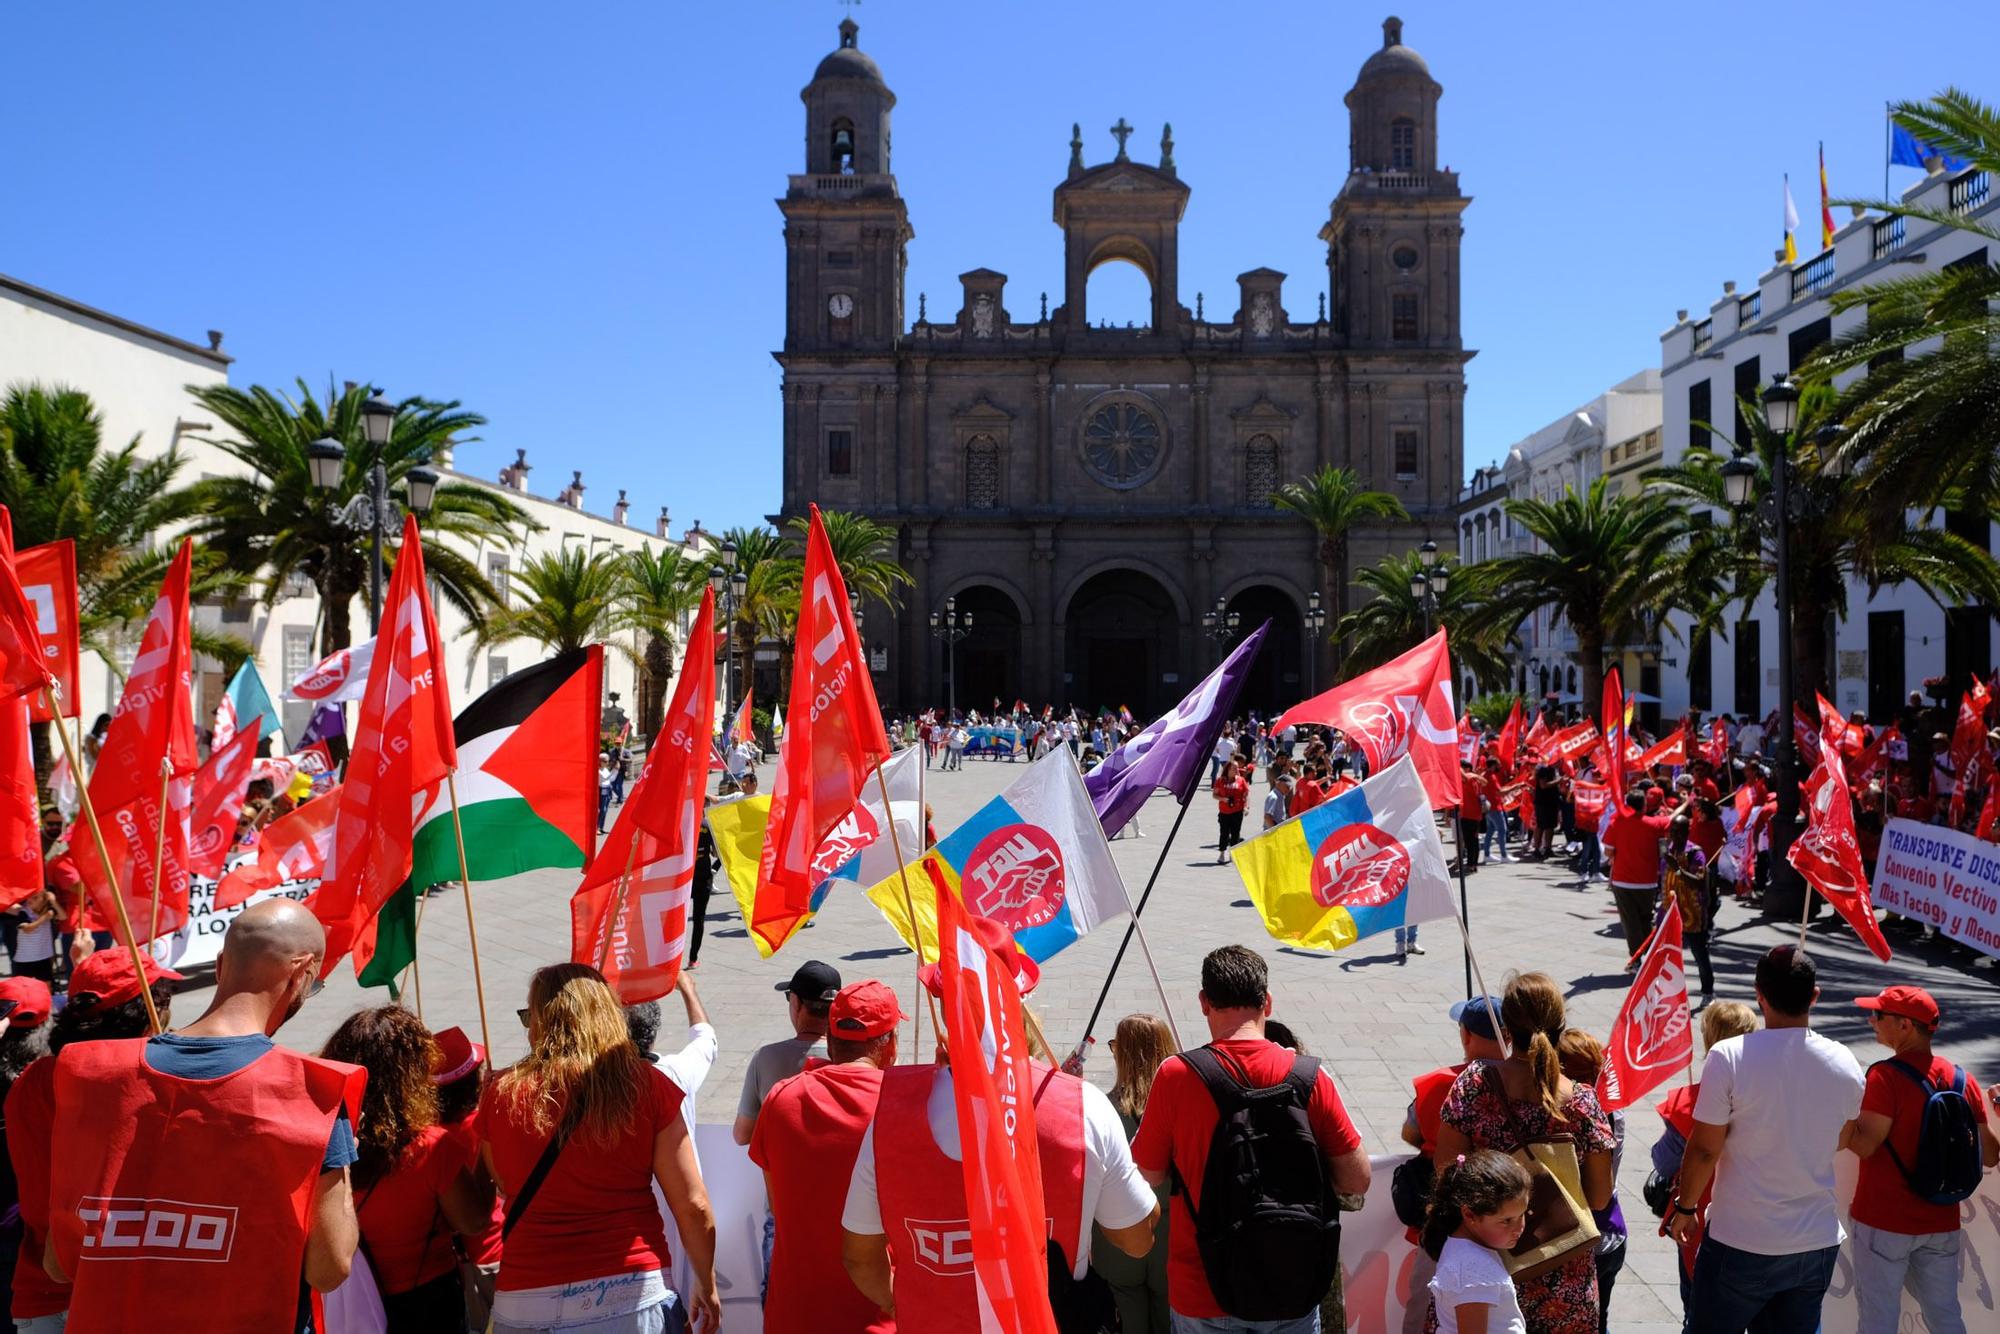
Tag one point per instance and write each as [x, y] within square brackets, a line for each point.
[562, 215]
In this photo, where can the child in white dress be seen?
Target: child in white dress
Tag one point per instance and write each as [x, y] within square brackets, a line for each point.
[1478, 1210]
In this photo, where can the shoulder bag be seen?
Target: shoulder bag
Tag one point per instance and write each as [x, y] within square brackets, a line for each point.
[1559, 1223]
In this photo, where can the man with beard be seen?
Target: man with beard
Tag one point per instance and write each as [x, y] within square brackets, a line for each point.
[147, 1126]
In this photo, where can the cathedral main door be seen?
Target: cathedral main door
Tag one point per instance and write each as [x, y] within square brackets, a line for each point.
[1120, 637]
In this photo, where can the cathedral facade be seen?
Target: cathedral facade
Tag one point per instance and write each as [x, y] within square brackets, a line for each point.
[1085, 494]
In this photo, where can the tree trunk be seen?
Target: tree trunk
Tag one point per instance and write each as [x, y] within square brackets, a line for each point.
[659, 664]
[1333, 559]
[336, 602]
[1808, 656]
[1590, 657]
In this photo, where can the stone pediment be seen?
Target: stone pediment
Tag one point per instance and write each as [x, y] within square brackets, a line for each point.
[982, 411]
[1122, 178]
[1263, 412]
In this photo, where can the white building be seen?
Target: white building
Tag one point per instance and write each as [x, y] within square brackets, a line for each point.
[1569, 453]
[1887, 644]
[138, 379]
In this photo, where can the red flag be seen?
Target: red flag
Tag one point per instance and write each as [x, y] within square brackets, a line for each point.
[403, 748]
[646, 917]
[1805, 736]
[21, 872]
[1970, 733]
[987, 1039]
[1671, 752]
[1402, 707]
[1717, 750]
[1572, 742]
[1589, 799]
[22, 666]
[1653, 1037]
[1538, 735]
[833, 738]
[151, 738]
[744, 728]
[1510, 739]
[295, 846]
[1828, 855]
[219, 789]
[48, 579]
[1871, 757]
[1613, 727]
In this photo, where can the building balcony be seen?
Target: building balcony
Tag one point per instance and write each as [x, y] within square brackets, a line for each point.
[1969, 192]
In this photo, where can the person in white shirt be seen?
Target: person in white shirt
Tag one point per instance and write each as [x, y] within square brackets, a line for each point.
[687, 1069]
[1478, 1211]
[1774, 1108]
[1750, 738]
[1225, 751]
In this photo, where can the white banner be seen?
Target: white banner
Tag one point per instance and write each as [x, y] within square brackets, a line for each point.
[199, 943]
[1940, 876]
[736, 1194]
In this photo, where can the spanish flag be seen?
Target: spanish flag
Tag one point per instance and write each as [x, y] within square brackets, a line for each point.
[1791, 223]
[1825, 205]
[1365, 861]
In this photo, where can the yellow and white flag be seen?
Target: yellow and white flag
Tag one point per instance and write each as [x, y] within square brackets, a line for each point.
[1791, 224]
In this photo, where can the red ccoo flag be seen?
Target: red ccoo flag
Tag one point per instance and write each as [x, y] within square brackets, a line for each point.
[987, 1039]
[833, 740]
[1402, 707]
[1828, 855]
[48, 577]
[1670, 751]
[1654, 1035]
[151, 738]
[629, 917]
[1537, 737]
[1612, 725]
[1510, 739]
[295, 846]
[21, 871]
[403, 748]
[219, 789]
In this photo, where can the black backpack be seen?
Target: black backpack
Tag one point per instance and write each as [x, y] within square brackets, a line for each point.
[1269, 1228]
[1947, 1166]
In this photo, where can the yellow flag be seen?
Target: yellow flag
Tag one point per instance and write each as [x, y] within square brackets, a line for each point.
[887, 894]
[738, 830]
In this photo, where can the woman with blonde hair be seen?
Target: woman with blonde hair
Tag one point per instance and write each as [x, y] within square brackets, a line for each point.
[1138, 1284]
[576, 1134]
[1526, 1099]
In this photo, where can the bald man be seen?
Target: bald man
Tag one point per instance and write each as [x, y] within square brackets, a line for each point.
[209, 1162]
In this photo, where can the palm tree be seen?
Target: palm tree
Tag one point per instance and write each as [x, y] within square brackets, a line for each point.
[659, 589]
[1847, 536]
[768, 607]
[564, 600]
[273, 521]
[1392, 620]
[864, 550]
[1612, 566]
[1915, 425]
[1333, 501]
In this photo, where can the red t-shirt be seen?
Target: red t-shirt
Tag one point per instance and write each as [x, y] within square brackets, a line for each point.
[1427, 1107]
[808, 1134]
[1635, 847]
[1305, 796]
[409, 1242]
[67, 882]
[1708, 835]
[1469, 807]
[1231, 798]
[1180, 1118]
[594, 1215]
[1882, 1199]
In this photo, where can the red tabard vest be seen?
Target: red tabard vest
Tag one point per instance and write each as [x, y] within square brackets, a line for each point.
[922, 1193]
[30, 1136]
[199, 1189]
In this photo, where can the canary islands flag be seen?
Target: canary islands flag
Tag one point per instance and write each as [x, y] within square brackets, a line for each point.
[1033, 859]
[1365, 861]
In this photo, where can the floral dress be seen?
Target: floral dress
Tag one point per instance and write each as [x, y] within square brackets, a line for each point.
[1564, 1300]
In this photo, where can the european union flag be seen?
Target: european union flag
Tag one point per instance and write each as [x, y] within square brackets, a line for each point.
[1906, 150]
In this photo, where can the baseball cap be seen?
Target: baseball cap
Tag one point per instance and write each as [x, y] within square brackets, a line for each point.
[458, 1056]
[1473, 1016]
[25, 1001]
[1027, 973]
[814, 981]
[1906, 1002]
[863, 1010]
[107, 977]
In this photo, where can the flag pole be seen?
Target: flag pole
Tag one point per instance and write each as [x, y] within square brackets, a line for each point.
[415, 976]
[1473, 970]
[103, 856]
[1464, 904]
[1805, 913]
[1132, 929]
[160, 850]
[471, 927]
[909, 907]
[618, 901]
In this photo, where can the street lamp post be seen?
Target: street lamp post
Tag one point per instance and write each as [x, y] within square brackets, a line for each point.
[1315, 626]
[1220, 623]
[950, 628]
[1429, 586]
[372, 512]
[728, 584]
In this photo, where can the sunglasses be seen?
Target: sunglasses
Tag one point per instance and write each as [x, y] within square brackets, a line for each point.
[524, 1013]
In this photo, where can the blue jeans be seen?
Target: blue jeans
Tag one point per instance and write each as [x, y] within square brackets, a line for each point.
[1495, 830]
[1405, 935]
[1590, 861]
[1737, 1290]
[1229, 1324]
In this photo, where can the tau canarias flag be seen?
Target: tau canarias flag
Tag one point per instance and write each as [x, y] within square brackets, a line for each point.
[1033, 859]
[527, 793]
[1365, 861]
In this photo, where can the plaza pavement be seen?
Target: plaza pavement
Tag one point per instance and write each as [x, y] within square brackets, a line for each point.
[1377, 1022]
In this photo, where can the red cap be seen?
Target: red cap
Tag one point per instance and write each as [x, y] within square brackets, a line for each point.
[863, 1010]
[458, 1056]
[1027, 974]
[25, 1000]
[1905, 1002]
[107, 977]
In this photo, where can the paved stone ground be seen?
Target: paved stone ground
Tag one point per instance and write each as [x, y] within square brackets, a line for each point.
[1378, 1022]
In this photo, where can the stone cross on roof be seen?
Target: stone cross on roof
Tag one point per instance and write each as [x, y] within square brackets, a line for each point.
[1121, 132]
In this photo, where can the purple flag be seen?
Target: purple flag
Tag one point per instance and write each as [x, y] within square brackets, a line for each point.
[1173, 752]
[328, 720]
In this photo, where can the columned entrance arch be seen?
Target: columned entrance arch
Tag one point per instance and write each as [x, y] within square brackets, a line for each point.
[1121, 634]
[1278, 678]
[989, 658]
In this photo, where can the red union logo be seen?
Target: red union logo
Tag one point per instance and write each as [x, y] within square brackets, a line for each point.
[1359, 866]
[1015, 876]
[1382, 729]
[943, 1246]
[857, 830]
[117, 1227]
[206, 839]
[1657, 1034]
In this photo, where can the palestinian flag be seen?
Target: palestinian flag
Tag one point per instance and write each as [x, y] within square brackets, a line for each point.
[527, 792]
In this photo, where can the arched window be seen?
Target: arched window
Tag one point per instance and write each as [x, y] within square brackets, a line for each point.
[1402, 144]
[1260, 472]
[982, 473]
[843, 147]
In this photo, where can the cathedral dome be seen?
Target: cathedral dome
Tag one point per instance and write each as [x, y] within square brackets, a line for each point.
[1394, 58]
[847, 62]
